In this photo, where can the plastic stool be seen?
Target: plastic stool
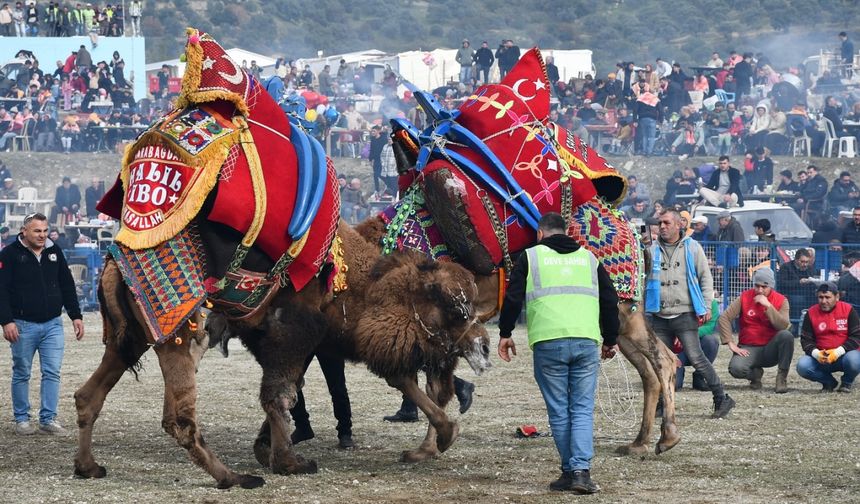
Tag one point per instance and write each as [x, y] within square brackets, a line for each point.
[847, 146]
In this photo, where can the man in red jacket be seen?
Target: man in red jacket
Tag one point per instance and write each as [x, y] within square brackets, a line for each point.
[762, 315]
[830, 337]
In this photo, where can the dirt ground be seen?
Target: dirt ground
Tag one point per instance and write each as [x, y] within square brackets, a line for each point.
[798, 447]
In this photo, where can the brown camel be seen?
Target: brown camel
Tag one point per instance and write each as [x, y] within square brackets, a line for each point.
[399, 315]
[654, 362]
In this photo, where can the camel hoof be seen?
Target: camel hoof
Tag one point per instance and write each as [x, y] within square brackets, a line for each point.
[446, 437]
[262, 452]
[668, 439]
[248, 481]
[300, 466]
[96, 472]
[415, 456]
[632, 449]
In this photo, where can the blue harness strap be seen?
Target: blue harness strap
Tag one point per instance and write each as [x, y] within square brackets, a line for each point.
[312, 174]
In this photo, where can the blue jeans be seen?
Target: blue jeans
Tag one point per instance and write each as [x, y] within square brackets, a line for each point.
[649, 134]
[47, 339]
[811, 369]
[465, 74]
[566, 372]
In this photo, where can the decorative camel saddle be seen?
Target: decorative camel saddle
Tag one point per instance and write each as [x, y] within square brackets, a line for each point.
[227, 148]
[488, 171]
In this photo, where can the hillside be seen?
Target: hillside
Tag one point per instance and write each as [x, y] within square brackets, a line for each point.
[686, 31]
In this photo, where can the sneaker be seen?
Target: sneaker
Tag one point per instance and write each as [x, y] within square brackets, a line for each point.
[563, 482]
[722, 406]
[828, 387]
[401, 417]
[52, 428]
[845, 388]
[682, 157]
[582, 483]
[464, 397]
[24, 429]
[755, 378]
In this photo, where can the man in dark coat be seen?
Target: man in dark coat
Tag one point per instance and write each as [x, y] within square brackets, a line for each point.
[743, 73]
[812, 193]
[851, 231]
[67, 199]
[846, 50]
[484, 59]
[794, 282]
[724, 187]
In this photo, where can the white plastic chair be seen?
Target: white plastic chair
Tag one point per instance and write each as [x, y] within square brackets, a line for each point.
[830, 138]
[847, 147]
[28, 194]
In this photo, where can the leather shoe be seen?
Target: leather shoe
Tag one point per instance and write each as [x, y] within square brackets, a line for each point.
[401, 417]
[301, 434]
[464, 396]
[344, 442]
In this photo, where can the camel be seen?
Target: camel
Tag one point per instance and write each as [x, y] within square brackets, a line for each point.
[450, 166]
[400, 314]
[197, 199]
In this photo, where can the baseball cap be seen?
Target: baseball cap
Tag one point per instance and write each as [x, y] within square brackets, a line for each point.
[725, 214]
[828, 287]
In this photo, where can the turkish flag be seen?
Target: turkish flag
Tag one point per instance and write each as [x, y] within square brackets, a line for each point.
[528, 80]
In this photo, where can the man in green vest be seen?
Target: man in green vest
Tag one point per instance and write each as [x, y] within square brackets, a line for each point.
[570, 302]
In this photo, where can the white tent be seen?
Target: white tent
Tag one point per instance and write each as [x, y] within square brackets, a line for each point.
[575, 63]
[427, 69]
[353, 59]
[238, 55]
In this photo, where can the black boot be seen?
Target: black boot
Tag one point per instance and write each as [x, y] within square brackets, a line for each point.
[463, 390]
[562, 484]
[302, 433]
[344, 441]
[408, 412]
[699, 382]
[722, 405]
[582, 483]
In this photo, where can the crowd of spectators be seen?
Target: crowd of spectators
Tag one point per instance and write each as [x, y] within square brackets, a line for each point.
[81, 105]
[66, 19]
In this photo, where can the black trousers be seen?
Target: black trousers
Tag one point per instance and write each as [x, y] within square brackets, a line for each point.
[332, 368]
[409, 407]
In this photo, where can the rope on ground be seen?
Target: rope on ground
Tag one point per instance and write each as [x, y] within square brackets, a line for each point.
[616, 400]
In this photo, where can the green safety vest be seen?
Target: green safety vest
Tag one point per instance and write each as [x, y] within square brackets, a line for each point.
[562, 298]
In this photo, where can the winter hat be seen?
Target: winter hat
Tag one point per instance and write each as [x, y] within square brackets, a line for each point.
[763, 276]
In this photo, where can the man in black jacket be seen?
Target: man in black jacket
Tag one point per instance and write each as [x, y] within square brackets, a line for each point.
[743, 73]
[812, 192]
[67, 199]
[794, 282]
[724, 187]
[35, 285]
[851, 231]
[844, 195]
[484, 59]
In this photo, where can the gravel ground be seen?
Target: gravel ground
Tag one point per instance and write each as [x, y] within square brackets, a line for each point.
[797, 447]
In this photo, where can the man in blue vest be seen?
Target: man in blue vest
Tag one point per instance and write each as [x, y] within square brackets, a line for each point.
[678, 295]
[570, 302]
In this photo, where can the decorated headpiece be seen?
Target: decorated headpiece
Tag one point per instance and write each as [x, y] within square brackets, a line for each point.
[211, 74]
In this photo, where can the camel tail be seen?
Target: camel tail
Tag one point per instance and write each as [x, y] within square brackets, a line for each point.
[117, 311]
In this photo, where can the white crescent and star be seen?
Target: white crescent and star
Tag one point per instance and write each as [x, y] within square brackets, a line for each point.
[237, 77]
[538, 84]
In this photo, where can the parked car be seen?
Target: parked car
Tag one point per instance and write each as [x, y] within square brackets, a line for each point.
[784, 221]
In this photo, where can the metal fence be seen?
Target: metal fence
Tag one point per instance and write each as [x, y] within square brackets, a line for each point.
[733, 264]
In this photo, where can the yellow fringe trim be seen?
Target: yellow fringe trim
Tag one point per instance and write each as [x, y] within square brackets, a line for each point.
[210, 161]
[257, 181]
[339, 283]
[572, 160]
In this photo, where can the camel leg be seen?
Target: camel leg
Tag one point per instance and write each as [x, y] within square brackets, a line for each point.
[441, 431]
[263, 444]
[277, 396]
[89, 400]
[656, 366]
[664, 366]
[180, 387]
[634, 353]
